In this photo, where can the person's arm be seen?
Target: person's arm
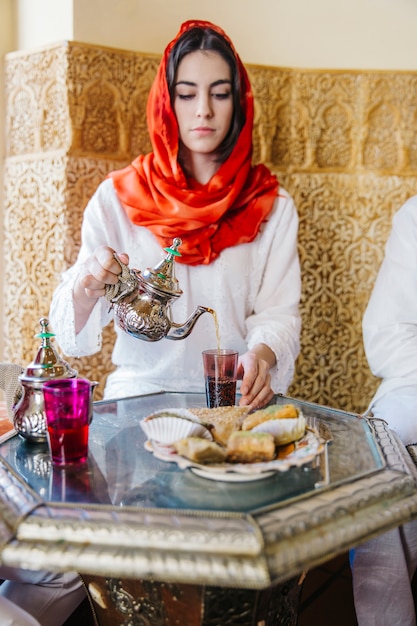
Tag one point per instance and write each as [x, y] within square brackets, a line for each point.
[390, 320]
[273, 328]
[78, 312]
[390, 328]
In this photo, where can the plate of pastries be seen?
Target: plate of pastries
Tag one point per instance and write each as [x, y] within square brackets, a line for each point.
[233, 443]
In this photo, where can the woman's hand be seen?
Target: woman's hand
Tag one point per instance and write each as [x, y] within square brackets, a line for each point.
[99, 270]
[253, 370]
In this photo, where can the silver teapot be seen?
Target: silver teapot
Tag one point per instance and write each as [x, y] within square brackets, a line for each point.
[28, 413]
[141, 300]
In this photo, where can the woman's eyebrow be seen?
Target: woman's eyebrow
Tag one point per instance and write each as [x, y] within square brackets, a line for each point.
[190, 83]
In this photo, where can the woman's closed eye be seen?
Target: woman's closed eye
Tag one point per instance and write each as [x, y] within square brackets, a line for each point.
[185, 96]
[215, 95]
[221, 96]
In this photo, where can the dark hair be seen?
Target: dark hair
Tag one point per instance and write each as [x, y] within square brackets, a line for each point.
[208, 39]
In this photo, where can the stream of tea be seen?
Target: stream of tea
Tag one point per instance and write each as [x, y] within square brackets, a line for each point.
[216, 327]
[219, 391]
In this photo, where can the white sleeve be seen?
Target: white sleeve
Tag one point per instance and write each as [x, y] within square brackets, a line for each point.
[390, 320]
[276, 319]
[103, 220]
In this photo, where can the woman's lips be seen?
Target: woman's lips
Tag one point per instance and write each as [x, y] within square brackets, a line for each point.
[203, 130]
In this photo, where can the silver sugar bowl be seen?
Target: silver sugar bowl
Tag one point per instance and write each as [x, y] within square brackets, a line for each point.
[28, 413]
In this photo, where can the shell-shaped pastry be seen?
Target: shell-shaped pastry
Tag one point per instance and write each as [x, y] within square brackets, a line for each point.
[169, 425]
[284, 430]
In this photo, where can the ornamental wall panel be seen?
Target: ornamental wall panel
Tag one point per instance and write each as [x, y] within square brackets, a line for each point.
[343, 143]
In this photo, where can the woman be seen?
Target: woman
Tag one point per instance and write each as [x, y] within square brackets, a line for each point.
[238, 228]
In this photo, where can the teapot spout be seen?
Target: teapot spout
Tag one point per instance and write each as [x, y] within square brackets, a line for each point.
[181, 331]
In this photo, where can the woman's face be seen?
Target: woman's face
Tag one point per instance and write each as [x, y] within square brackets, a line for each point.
[203, 102]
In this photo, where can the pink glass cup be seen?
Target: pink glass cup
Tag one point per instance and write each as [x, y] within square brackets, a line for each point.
[220, 370]
[67, 404]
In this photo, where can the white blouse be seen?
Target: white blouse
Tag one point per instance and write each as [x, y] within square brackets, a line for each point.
[254, 289]
[390, 327]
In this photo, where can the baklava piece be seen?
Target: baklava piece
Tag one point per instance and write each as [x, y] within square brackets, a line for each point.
[248, 447]
[200, 450]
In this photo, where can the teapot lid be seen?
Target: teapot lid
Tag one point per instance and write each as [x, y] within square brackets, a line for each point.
[162, 276]
[47, 363]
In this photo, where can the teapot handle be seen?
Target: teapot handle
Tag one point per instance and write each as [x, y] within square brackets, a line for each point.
[126, 284]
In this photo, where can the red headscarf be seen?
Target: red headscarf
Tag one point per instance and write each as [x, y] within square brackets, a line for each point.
[156, 193]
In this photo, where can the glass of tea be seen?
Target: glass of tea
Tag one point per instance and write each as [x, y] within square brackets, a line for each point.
[220, 370]
[67, 411]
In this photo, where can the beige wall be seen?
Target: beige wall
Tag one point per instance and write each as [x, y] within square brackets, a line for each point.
[7, 42]
[43, 21]
[353, 34]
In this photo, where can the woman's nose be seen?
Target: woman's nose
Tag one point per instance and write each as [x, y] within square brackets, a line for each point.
[204, 107]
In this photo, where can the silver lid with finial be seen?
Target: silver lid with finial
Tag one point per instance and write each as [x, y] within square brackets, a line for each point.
[47, 363]
[162, 276]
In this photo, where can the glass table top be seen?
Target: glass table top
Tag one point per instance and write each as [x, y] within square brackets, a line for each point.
[121, 472]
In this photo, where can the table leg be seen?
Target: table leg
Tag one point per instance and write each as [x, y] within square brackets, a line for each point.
[148, 603]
